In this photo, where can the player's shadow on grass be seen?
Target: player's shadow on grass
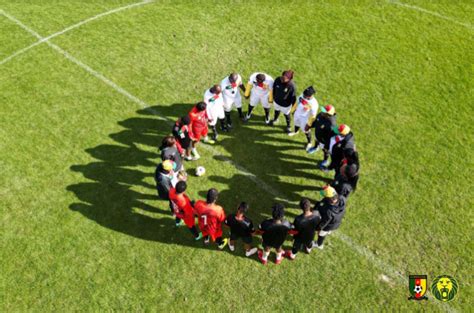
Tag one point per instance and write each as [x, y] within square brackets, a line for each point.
[121, 194]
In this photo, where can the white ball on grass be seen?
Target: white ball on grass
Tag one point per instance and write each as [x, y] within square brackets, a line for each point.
[200, 170]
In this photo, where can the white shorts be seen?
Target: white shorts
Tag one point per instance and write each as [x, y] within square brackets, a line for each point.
[301, 121]
[284, 110]
[255, 99]
[235, 101]
[216, 113]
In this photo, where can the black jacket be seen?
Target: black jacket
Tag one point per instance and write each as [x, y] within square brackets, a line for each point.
[323, 128]
[331, 214]
[344, 186]
[171, 153]
[181, 133]
[163, 182]
[284, 94]
[337, 154]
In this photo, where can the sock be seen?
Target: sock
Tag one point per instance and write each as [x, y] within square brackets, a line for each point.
[249, 112]
[222, 121]
[214, 129]
[240, 112]
[308, 136]
[326, 155]
[194, 231]
[277, 115]
[265, 255]
[279, 255]
[320, 240]
[287, 118]
[297, 128]
[177, 220]
[227, 117]
[267, 114]
[219, 241]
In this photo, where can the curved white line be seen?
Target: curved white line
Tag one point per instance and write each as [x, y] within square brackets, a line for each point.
[44, 39]
[416, 8]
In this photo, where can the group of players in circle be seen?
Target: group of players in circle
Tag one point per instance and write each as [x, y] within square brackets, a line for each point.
[336, 141]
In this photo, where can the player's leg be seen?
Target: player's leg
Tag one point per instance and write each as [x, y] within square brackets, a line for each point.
[288, 122]
[321, 236]
[249, 251]
[291, 254]
[276, 114]
[263, 254]
[238, 105]
[254, 100]
[297, 129]
[227, 109]
[279, 255]
[266, 108]
[232, 239]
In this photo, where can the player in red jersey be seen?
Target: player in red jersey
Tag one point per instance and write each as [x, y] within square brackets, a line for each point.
[211, 217]
[199, 127]
[183, 208]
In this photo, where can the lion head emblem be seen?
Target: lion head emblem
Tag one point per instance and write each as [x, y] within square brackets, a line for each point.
[444, 288]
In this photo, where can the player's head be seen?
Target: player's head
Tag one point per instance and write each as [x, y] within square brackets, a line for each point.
[233, 77]
[167, 166]
[351, 156]
[287, 76]
[181, 187]
[216, 89]
[328, 110]
[212, 195]
[260, 78]
[305, 205]
[201, 106]
[350, 171]
[243, 208]
[309, 92]
[342, 130]
[185, 120]
[278, 211]
[329, 193]
[168, 141]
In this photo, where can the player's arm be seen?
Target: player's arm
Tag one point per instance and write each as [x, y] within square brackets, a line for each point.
[242, 87]
[247, 89]
[293, 108]
[270, 93]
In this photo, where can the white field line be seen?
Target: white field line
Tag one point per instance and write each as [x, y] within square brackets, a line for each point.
[436, 14]
[386, 268]
[44, 39]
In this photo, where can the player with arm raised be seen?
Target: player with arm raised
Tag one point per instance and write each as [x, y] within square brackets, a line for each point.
[230, 90]
[260, 90]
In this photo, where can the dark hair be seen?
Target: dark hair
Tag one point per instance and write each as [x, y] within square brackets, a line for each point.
[278, 211]
[201, 106]
[212, 195]
[243, 207]
[288, 74]
[233, 77]
[181, 186]
[215, 88]
[186, 120]
[168, 141]
[260, 77]
[308, 92]
[305, 204]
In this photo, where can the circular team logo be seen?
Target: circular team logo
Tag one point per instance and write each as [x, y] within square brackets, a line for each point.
[444, 288]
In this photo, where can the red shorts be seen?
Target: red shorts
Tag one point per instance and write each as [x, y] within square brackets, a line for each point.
[197, 132]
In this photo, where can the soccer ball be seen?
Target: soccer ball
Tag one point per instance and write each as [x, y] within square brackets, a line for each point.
[200, 170]
[418, 289]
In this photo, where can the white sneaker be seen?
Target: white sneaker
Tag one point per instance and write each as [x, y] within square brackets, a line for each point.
[308, 146]
[195, 153]
[250, 252]
[321, 247]
[231, 247]
[308, 250]
[188, 158]
[292, 134]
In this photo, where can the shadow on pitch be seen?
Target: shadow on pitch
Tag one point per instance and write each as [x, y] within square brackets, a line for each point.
[111, 199]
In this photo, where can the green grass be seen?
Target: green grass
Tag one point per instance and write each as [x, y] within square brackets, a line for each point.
[82, 228]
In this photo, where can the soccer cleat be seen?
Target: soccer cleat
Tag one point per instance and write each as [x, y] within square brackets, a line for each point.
[289, 255]
[308, 250]
[180, 223]
[214, 137]
[313, 150]
[324, 163]
[288, 129]
[223, 244]
[206, 240]
[279, 259]
[229, 126]
[246, 118]
[188, 158]
[260, 257]
[267, 121]
[308, 146]
[271, 123]
[195, 158]
[251, 252]
[291, 134]
[320, 247]
[198, 237]
[195, 153]
[209, 141]
[231, 247]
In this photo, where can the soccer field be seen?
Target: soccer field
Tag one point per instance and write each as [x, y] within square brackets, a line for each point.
[89, 88]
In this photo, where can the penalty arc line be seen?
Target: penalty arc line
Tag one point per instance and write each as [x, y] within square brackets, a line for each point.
[44, 39]
[344, 238]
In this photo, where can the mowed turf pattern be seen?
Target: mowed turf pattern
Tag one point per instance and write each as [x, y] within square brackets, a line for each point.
[82, 228]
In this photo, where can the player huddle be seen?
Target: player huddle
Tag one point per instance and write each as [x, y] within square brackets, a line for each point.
[336, 142]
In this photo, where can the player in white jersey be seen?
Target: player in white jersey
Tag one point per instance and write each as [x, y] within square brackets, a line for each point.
[260, 90]
[230, 91]
[305, 109]
[215, 108]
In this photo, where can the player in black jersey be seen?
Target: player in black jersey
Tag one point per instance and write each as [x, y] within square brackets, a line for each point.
[241, 227]
[305, 226]
[274, 232]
